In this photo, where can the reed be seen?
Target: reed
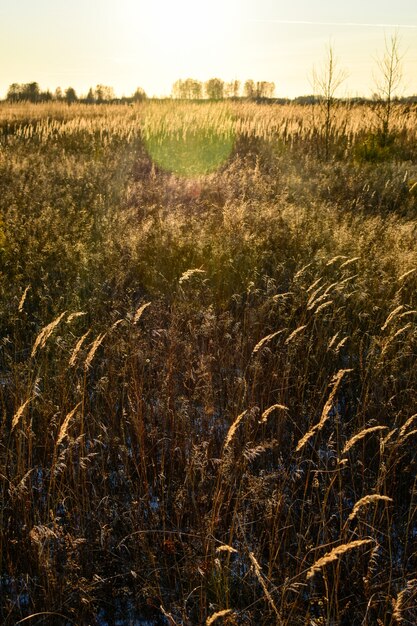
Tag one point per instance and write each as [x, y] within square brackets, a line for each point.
[365, 501]
[335, 554]
[175, 446]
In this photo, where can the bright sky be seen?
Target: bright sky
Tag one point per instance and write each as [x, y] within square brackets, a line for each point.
[130, 43]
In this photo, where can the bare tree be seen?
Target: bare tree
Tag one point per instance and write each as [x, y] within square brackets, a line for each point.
[103, 93]
[249, 89]
[232, 89]
[265, 89]
[389, 79]
[326, 82]
[188, 89]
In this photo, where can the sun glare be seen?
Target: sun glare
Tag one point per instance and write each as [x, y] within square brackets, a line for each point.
[187, 21]
[185, 32]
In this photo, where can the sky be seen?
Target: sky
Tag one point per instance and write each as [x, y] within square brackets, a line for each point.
[152, 43]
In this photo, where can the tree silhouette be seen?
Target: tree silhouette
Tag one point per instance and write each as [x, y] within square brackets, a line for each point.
[70, 95]
[103, 93]
[388, 82]
[265, 89]
[232, 89]
[33, 92]
[14, 92]
[249, 89]
[89, 99]
[139, 95]
[25, 91]
[326, 81]
[214, 88]
[189, 89]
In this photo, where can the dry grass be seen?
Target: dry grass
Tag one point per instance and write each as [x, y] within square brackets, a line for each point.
[361, 435]
[365, 501]
[217, 615]
[45, 333]
[63, 431]
[183, 414]
[325, 412]
[335, 554]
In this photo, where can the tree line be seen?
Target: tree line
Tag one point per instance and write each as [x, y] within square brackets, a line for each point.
[218, 89]
[31, 92]
[188, 89]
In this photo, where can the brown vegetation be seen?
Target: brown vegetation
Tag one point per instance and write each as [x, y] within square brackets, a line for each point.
[207, 384]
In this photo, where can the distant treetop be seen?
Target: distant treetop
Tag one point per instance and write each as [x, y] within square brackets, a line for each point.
[31, 92]
[217, 89]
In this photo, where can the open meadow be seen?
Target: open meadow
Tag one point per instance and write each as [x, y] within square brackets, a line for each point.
[208, 372]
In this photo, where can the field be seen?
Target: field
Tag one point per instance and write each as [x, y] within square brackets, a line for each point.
[208, 372]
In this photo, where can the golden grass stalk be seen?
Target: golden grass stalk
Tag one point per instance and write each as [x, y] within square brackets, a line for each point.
[22, 299]
[405, 598]
[407, 313]
[401, 278]
[334, 554]
[215, 616]
[17, 416]
[73, 316]
[335, 258]
[189, 274]
[258, 574]
[387, 438]
[77, 348]
[294, 334]
[408, 435]
[392, 338]
[322, 306]
[233, 429]
[315, 299]
[267, 412]
[333, 340]
[64, 426]
[94, 346]
[349, 262]
[330, 287]
[45, 333]
[341, 344]
[392, 315]
[313, 285]
[406, 425]
[365, 501]
[326, 410]
[363, 433]
[265, 340]
[226, 548]
[402, 330]
[281, 296]
[139, 312]
[347, 280]
[301, 272]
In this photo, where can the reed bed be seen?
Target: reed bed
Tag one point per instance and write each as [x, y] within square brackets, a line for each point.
[208, 383]
[290, 123]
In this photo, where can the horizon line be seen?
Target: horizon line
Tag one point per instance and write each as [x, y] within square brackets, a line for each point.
[318, 23]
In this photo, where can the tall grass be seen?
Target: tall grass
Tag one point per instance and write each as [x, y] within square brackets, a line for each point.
[207, 384]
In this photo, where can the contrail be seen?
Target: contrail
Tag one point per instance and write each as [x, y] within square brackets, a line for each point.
[314, 23]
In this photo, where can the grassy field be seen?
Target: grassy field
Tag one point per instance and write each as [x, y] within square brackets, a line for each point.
[208, 365]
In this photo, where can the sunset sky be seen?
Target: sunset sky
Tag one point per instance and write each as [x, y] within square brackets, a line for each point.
[130, 43]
